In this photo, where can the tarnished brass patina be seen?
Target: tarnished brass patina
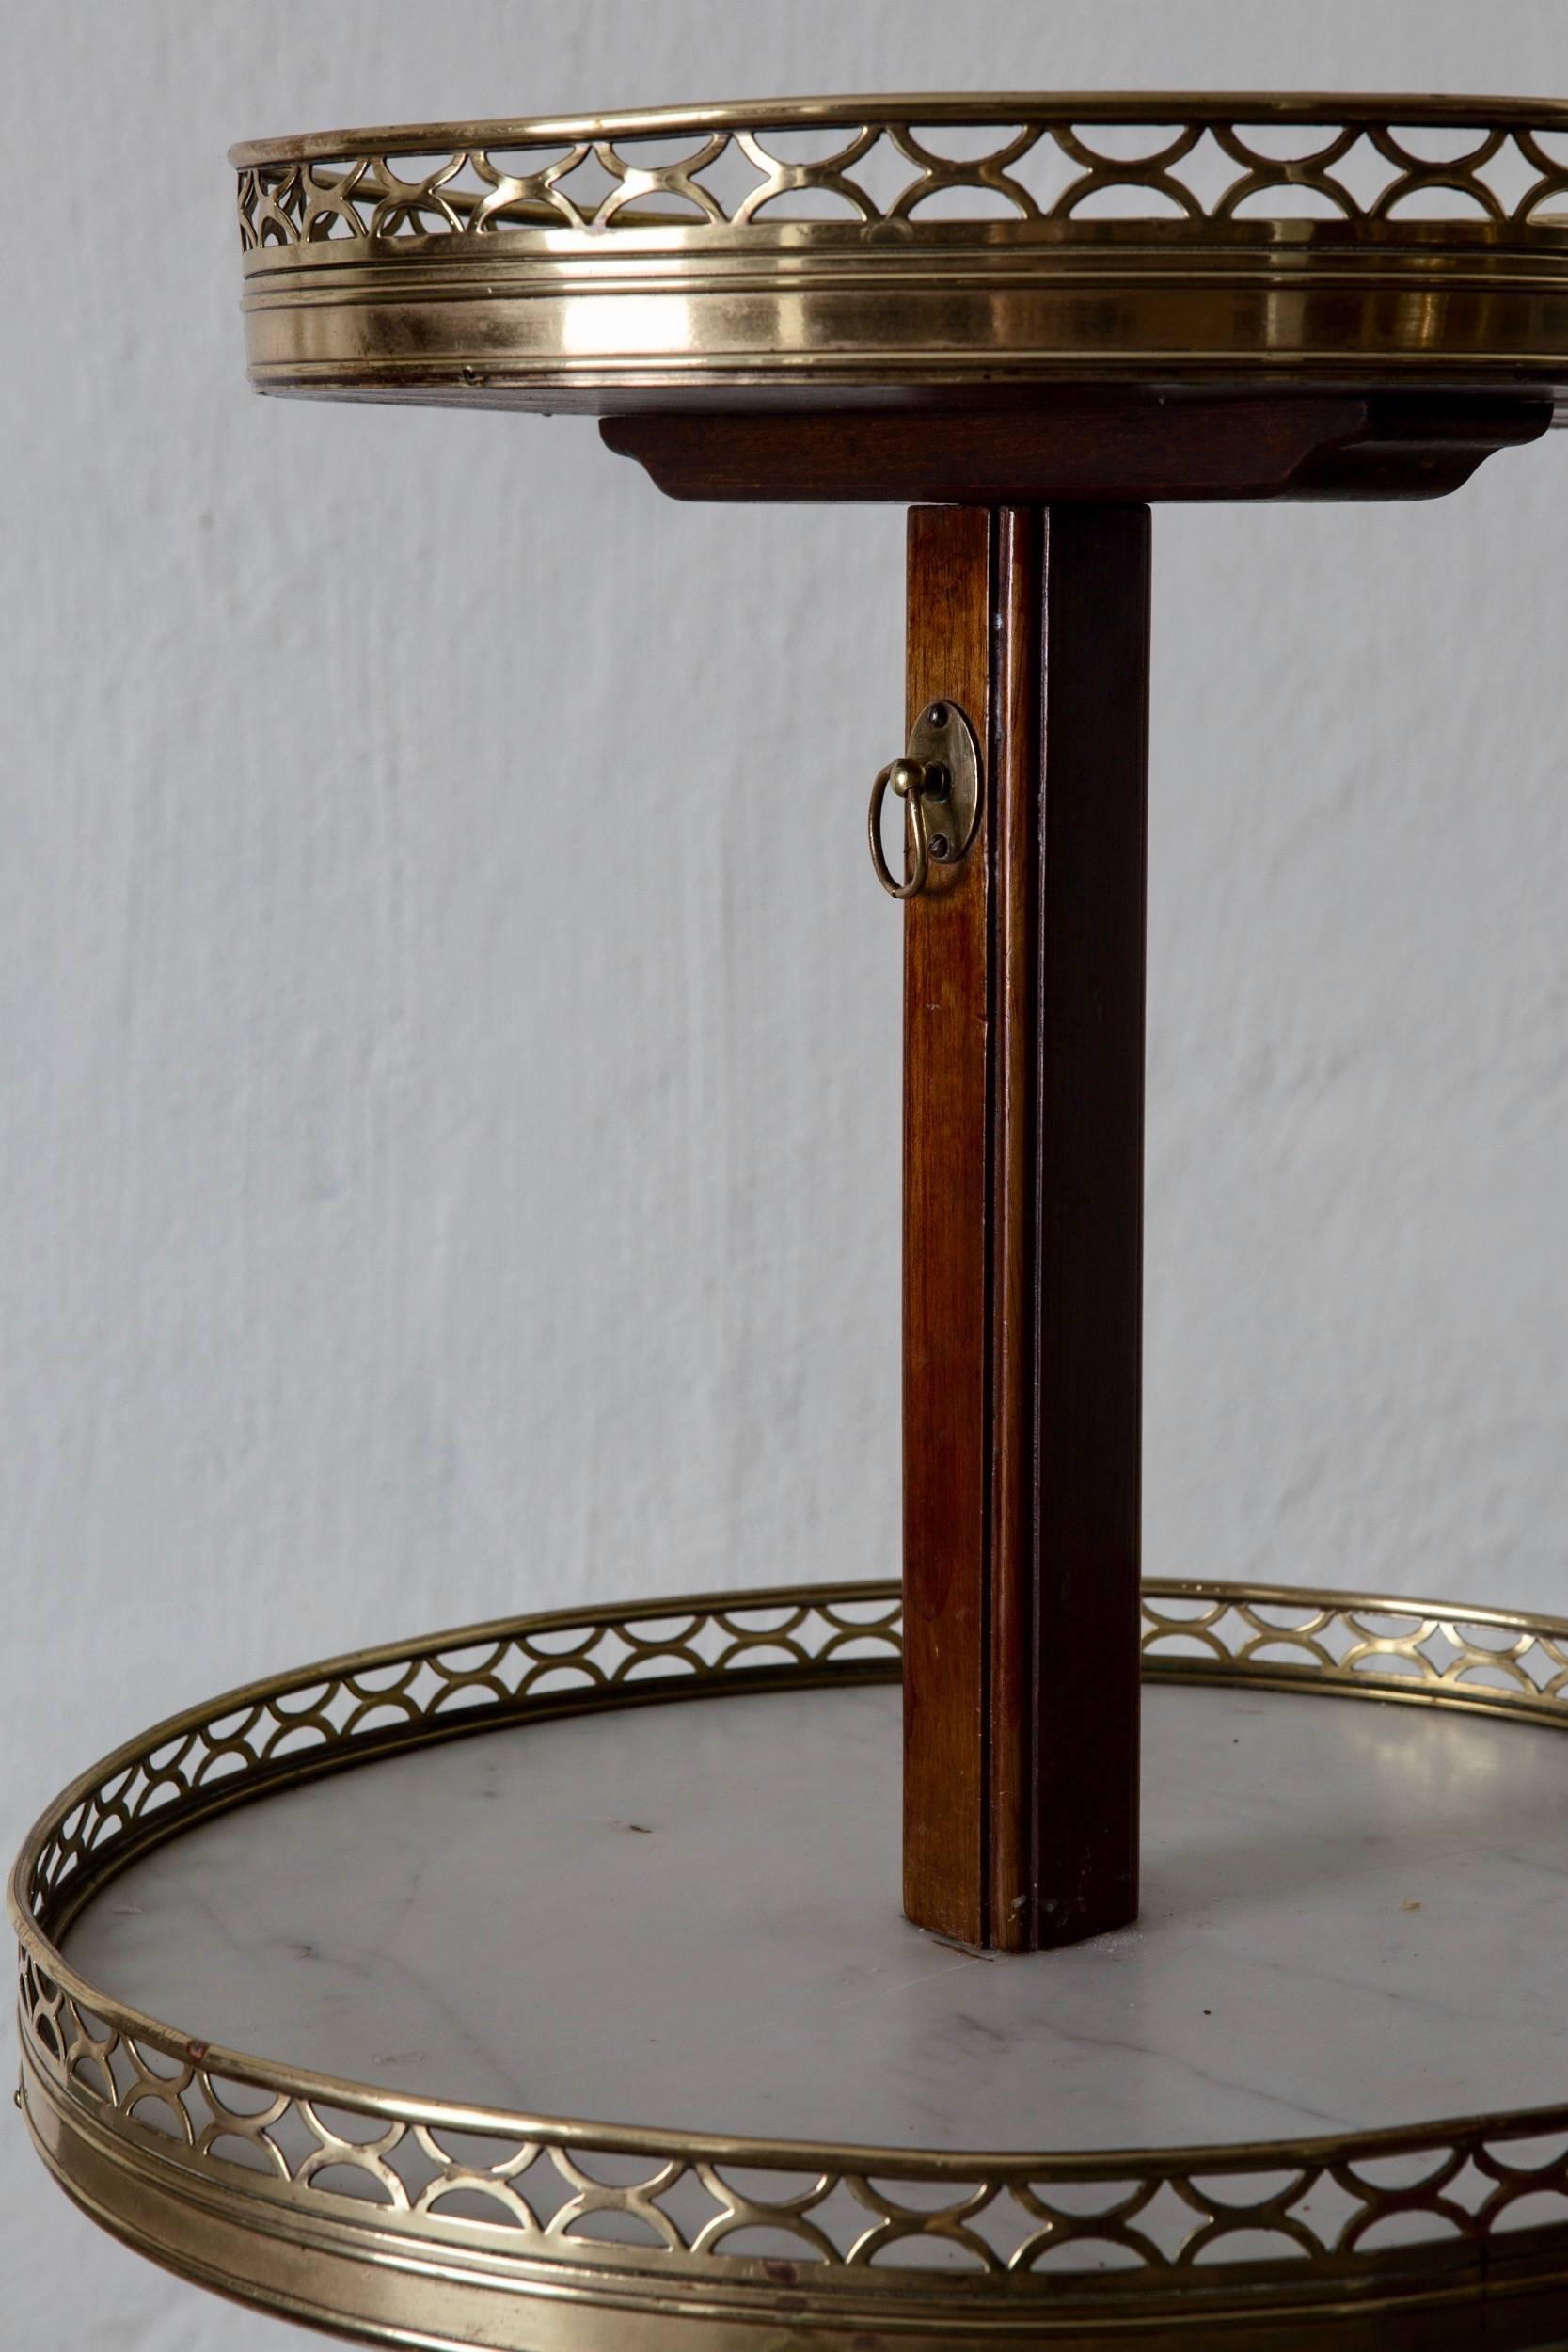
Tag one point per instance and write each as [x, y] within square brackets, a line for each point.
[938, 782]
[913, 247]
[231, 2167]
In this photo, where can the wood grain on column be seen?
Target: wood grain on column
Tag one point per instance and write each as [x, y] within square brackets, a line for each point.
[946, 1374]
[1023, 1173]
[1014, 843]
[1093, 800]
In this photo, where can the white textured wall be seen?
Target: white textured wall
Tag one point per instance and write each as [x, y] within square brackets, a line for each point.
[448, 1106]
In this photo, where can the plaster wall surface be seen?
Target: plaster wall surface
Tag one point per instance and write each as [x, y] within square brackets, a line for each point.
[449, 1116]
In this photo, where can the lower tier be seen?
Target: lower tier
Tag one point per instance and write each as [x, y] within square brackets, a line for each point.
[1301, 2101]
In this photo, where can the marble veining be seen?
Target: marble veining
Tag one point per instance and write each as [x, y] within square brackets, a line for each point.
[1354, 1915]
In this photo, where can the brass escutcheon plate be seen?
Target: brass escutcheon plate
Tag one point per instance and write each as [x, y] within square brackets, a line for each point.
[938, 782]
[943, 734]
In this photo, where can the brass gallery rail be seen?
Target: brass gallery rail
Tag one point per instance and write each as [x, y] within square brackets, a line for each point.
[814, 250]
[235, 2151]
[1197, 155]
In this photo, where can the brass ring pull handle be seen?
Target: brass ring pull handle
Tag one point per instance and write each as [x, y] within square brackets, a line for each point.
[912, 780]
[940, 766]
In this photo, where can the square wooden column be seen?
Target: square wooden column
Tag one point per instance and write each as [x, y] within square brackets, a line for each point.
[1028, 604]
[1022, 1232]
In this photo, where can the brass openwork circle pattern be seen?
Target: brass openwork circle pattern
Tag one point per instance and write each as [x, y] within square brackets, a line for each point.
[874, 161]
[412, 2219]
[815, 246]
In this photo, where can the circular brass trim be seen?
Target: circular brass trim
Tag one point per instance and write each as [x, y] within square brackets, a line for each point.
[1375, 110]
[216, 2161]
[686, 255]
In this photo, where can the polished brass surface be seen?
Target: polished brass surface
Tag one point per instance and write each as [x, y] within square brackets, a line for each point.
[354, 2206]
[938, 782]
[913, 247]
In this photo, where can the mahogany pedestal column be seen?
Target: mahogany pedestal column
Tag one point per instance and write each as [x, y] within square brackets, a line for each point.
[1023, 1027]
[1023, 1044]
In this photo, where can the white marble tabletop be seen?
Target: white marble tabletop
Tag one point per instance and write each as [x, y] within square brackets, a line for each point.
[688, 1916]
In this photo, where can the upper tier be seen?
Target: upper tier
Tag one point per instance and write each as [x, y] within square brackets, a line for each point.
[937, 250]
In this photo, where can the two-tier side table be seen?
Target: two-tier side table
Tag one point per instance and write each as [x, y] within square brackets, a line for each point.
[591, 2022]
